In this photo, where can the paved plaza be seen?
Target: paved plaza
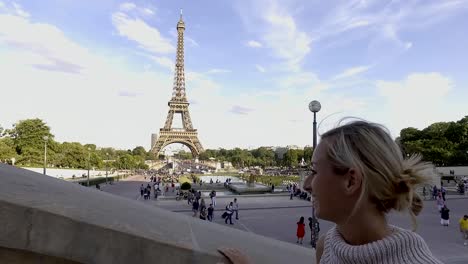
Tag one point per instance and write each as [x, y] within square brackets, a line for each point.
[275, 216]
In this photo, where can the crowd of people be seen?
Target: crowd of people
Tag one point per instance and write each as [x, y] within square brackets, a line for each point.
[200, 209]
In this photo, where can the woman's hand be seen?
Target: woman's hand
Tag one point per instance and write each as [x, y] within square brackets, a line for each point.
[235, 256]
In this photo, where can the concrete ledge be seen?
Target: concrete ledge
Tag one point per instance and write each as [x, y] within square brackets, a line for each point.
[53, 218]
[14, 256]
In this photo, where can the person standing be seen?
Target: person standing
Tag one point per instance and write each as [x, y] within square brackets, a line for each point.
[300, 230]
[235, 207]
[464, 229]
[202, 204]
[443, 191]
[210, 213]
[195, 207]
[203, 213]
[444, 216]
[359, 175]
[311, 227]
[291, 193]
[213, 197]
[229, 211]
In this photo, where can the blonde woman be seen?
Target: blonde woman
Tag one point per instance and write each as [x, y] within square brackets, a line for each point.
[359, 175]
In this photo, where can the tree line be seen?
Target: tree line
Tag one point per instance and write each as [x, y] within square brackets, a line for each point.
[263, 156]
[24, 144]
[442, 143]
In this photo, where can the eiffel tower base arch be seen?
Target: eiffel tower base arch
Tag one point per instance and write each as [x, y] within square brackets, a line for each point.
[188, 139]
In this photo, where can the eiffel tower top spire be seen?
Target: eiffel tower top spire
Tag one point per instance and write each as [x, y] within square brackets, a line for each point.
[178, 93]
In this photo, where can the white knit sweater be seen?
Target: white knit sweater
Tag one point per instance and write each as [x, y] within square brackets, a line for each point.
[401, 246]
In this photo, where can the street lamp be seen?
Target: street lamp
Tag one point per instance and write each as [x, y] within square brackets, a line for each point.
[314, 107]
[89, 157]
[45, 153]
[107, 168]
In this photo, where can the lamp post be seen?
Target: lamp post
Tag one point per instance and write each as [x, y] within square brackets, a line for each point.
[45, 153]
[314, 107]
[89, 157]
[107, 168]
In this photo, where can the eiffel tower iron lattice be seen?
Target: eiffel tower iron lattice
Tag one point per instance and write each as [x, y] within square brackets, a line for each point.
[178, 104]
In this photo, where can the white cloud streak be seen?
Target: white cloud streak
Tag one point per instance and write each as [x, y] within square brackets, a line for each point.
[253, 44]
[260, 68]
[278, 31]
[352, 72]
[127, 6]
[216, 71]
[147, 37]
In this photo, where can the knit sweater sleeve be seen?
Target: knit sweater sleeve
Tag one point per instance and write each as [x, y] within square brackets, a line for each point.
[401, 246]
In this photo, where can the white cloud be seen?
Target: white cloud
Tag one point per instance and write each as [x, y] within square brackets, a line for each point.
[418, 100]
[284, 37]
[253, 44]
[377, 19]
[91, 97]
[191, 41]
[148, 11]
[278, 31]
[45, 43]
[127, 6]
[135, 29]
[352, 72]
[19, 10]
[215, 71]
[165, 62]
[260, 68]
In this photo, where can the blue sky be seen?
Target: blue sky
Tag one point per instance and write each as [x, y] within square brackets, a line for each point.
[101, 71]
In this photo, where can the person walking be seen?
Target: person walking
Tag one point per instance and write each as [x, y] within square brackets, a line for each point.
[359, 174]
[440, 202]
[235, 207]
[443, 191]
[229, 211]
[142, 189]
[291, 193]
[444, 216]
[434, 192]
[300, 232]
[464, 229]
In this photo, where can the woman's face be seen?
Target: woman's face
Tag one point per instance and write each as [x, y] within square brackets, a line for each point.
[327, 188]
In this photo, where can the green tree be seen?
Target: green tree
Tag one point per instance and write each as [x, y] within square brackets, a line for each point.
[291, 158]
[73, 155]
[7, 149]
[28, 137]
[139, 151]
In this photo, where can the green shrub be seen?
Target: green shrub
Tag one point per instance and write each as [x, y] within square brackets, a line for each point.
[185, 186]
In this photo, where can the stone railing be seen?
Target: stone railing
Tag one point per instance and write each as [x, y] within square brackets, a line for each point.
[46, 220]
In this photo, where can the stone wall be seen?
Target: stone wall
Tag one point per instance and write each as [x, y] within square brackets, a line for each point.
[62, 222]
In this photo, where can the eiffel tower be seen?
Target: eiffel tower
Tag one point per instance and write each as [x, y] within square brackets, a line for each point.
[178, 104]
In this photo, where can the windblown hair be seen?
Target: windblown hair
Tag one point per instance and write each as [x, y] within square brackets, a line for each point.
[389, 180]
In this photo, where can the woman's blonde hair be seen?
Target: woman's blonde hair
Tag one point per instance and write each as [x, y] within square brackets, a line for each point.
[389, 180]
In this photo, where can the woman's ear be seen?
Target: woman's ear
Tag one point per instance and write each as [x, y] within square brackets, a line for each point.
[353, 181]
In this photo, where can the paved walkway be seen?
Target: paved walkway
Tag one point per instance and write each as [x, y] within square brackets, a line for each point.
[275, 216]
